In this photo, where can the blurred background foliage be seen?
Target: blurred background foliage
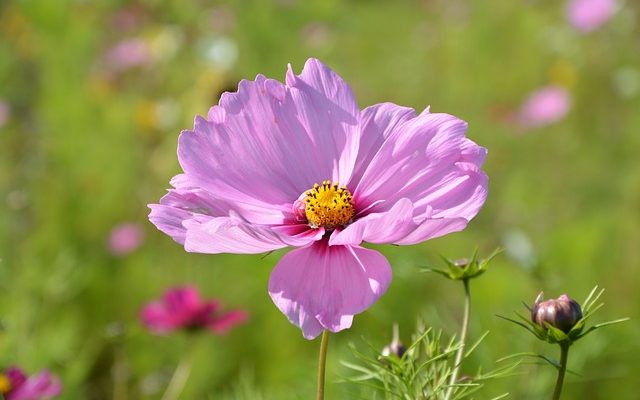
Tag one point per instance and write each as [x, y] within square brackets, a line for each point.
[94, 93]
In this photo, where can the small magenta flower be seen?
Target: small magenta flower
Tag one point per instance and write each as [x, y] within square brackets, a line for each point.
[545, 106]
[15, 385]
[299, 164]
[125, 238]
[589, 15]
[182, 308]
[562, 313]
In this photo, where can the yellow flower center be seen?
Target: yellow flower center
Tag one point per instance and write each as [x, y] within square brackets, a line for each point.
[328, 205]
[5, 384]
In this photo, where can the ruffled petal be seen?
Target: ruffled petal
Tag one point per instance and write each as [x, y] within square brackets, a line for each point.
[328, 112]
[269, 142]
[375, 124]
[429, 161]
[384, 227]
[396, 226]
[244, 155]
[322, 287]
[187, 202]
[233, 235]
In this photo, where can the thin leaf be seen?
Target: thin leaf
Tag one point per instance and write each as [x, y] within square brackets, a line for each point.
[475, 345]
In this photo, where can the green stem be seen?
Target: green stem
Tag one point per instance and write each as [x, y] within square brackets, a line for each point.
[178, 380]
[322, 362]
[463, 340]
[564, 355]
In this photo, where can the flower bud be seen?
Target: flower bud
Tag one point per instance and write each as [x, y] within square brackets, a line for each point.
[395, 348]
[562, 313]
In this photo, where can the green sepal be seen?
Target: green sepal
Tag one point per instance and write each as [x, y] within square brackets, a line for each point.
[472, 269]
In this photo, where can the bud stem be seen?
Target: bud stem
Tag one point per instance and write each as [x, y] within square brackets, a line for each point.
[564, 354]
[322, 361]
[463, 339]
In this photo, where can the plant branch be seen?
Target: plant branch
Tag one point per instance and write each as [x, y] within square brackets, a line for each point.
[564, 354]
[322, 362]
[463, 339]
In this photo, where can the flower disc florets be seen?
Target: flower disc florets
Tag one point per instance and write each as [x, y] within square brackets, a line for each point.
[328, 205]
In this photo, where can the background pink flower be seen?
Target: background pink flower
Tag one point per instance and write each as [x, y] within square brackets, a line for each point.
[125, 238]
[5, 113]
[545, 106]
[589, 15]
[128, 53]
[41, 386]
[182, 308]
[299, 164]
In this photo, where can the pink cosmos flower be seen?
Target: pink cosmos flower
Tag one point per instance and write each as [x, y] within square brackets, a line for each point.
[545, 106]
[125, 238]
[182, 308]
[128, 53]
[15, 385]
[589, 15]
[299, 164]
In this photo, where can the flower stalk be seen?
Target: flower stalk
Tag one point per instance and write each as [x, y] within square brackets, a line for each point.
[322, 362]
[178, 380]
[564, 355]
[463, 339]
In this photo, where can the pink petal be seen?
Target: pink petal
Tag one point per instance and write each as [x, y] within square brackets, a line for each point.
[544, 106]
[188, 216]
[396, 226]
[39, 387]
[329, 113]
[232, 235]
[589, 15]
[227, 321]
[429, 161]
[384, 227]
[15, 375]
[125, 238]
[182, 300]
[322, 287]
[240, 157]
[244, 152]
[186, 206]
[156, 318]
[376, 123]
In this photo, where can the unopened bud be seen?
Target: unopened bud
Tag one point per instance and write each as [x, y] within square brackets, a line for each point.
[562, 313]
[395, 348]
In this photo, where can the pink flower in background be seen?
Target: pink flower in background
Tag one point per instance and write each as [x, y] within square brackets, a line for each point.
[127, 54]
[544, 107]
[5, 113]
[182, 308]
[15, 385]
[299, 164]
[125, 238]
[589, 15]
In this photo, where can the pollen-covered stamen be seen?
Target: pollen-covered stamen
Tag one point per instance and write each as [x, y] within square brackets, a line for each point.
[328, 205]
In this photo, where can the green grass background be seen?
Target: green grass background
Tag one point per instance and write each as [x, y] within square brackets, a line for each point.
[84, 151]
